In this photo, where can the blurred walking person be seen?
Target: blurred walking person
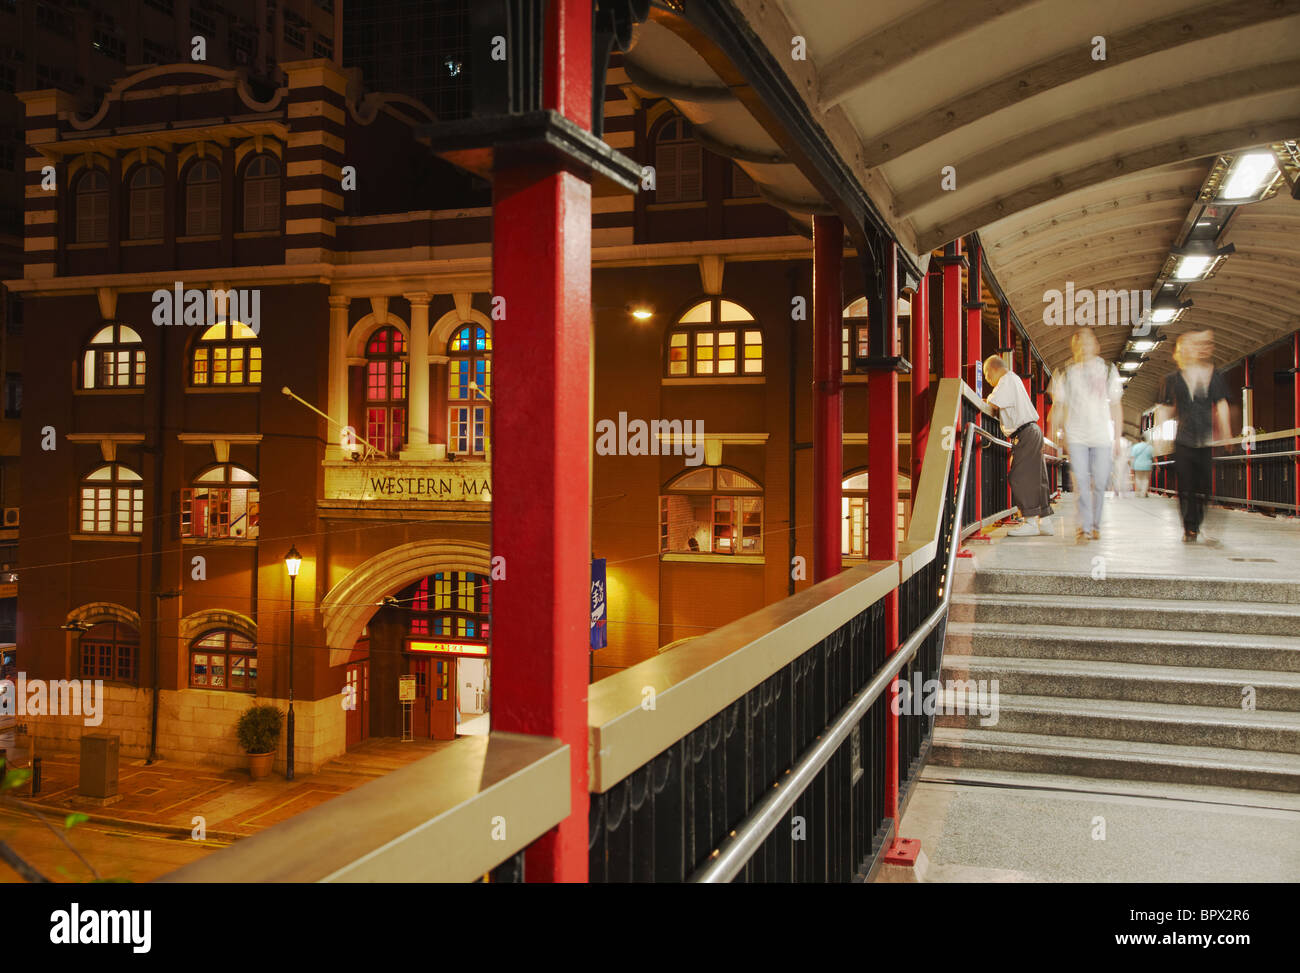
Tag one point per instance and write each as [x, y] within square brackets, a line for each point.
[1197, 398]
[1086, 405]
[1031, 491]
[1141, 458]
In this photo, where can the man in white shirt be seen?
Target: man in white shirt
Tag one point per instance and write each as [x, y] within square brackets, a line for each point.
[1086, 403]
[1030, 489]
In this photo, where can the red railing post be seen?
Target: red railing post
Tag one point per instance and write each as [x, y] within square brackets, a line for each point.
[974, 352]
[828, 402]
[541, 269]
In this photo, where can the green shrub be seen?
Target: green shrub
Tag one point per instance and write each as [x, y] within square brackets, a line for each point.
[258, 728]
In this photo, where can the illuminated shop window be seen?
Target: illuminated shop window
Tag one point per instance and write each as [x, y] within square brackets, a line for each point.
[112, 501]
[114, 359]
[469, 390]
[679, 164]
[110, 650]
[711, 511]
[450, 604]
[145, 204]
[203, 199]
[386, 390]
[223, 659]
[92, 207]
[262, 194]
[853, 534]
[227, 355]
[715, 339]
[223, 503]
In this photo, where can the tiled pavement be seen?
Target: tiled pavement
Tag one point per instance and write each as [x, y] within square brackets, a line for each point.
[168, 795]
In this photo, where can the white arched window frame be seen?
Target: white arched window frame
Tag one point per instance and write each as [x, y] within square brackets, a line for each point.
[226, 355]
[222, 659]
[854, 491]
[223, 504]
[711, 510]
[112, 501]
[114, 359]
[715, 338]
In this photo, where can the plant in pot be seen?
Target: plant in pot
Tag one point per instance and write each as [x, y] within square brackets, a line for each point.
[258, 730]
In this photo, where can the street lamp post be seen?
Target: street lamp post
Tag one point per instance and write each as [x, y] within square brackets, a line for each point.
[292, 562]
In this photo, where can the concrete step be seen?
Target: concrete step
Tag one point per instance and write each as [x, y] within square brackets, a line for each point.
[1161, 587]
[1135, 613]
[1084, 679]
[995, 749]
[1212, 650]
[1111, 720]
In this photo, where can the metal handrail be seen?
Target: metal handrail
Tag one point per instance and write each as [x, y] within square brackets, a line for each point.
[740, 846]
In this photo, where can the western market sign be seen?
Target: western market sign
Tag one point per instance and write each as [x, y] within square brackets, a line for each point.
[409, 482]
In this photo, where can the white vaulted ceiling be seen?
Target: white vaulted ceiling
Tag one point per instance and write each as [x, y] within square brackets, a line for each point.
[1070, 168]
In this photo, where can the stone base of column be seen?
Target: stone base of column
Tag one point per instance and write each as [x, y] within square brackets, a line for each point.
[424, 451]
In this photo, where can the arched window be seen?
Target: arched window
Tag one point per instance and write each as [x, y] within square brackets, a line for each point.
[386, 390]
[469, 390]
[114, 360]
[853, 534]
[452, 605]
[223, 659]
[856, 309]
[711, 510]
[227, 354]
[112, 501]
[110, 650]
[679, 163]
[203, 199]
[262, 194]
[715, 339]
[223, 503]
[145, 204]
[92, 207]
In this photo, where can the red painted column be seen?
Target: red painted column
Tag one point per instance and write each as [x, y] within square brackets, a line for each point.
[1295, 411]
[974, 318]
[541, 266]
[920, 377]
[882, 508]
[952, 311]
[828, 399]
[1247, 375]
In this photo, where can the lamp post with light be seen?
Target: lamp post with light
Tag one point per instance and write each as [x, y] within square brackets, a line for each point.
[292, 563]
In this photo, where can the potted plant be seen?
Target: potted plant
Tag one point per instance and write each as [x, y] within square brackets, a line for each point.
[258, 730]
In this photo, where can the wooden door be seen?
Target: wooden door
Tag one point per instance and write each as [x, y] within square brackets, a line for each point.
[442, 697]
[419, 668]
[358, 688]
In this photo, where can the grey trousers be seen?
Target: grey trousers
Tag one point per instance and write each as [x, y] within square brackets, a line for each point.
[1030, 489]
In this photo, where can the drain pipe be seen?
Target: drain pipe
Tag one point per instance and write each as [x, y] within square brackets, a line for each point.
[158, 597]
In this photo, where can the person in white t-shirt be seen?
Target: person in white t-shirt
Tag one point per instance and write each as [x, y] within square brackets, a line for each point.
[1086, 404]
[1031, 490]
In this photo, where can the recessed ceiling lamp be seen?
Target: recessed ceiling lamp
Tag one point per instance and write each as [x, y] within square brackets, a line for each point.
[1194, 262]
[1131, 366]
[1250, 175]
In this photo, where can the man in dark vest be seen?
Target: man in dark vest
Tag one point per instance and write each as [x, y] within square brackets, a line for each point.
[1197, 397]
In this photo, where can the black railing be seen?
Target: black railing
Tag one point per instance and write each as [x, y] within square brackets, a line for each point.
[988, 489]
[1262, 478]
[919, 596]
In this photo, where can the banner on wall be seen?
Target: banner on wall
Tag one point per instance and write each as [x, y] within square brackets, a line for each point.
[598, 604]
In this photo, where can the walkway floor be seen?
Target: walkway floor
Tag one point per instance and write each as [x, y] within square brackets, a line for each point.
[1144, 536]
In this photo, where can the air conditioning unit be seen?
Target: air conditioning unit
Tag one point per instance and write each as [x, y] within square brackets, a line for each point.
[11, 516]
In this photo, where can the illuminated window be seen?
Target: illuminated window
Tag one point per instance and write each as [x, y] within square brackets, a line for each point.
[262, 194]
[145, 204]
[115, 359]
[450, 604]
[715, 339]
[711, 511]
[853, 533]
[223, 503]
[469, 390]
[679, 164]
[386, 390]
[110, 650]
[223, 660]
[112, 501]
[203, 199]
[227, 355]
[857, 309]
[92, 207]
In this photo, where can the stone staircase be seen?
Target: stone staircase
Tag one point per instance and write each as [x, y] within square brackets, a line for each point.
[1131, 678]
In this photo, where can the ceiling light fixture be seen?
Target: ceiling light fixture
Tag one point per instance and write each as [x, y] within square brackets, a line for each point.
[1249, 176]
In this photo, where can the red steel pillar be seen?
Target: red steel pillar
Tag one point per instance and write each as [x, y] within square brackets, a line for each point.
[541, 267]
[974, 318]
[1295, 411]
[920, 377]
[1247, 376]
[828, 399]
[882, 509]
[952, 310]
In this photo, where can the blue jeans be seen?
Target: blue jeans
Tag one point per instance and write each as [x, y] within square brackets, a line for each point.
[1090, 466]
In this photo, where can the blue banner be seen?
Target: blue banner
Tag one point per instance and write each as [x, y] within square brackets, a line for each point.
[598, 605]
